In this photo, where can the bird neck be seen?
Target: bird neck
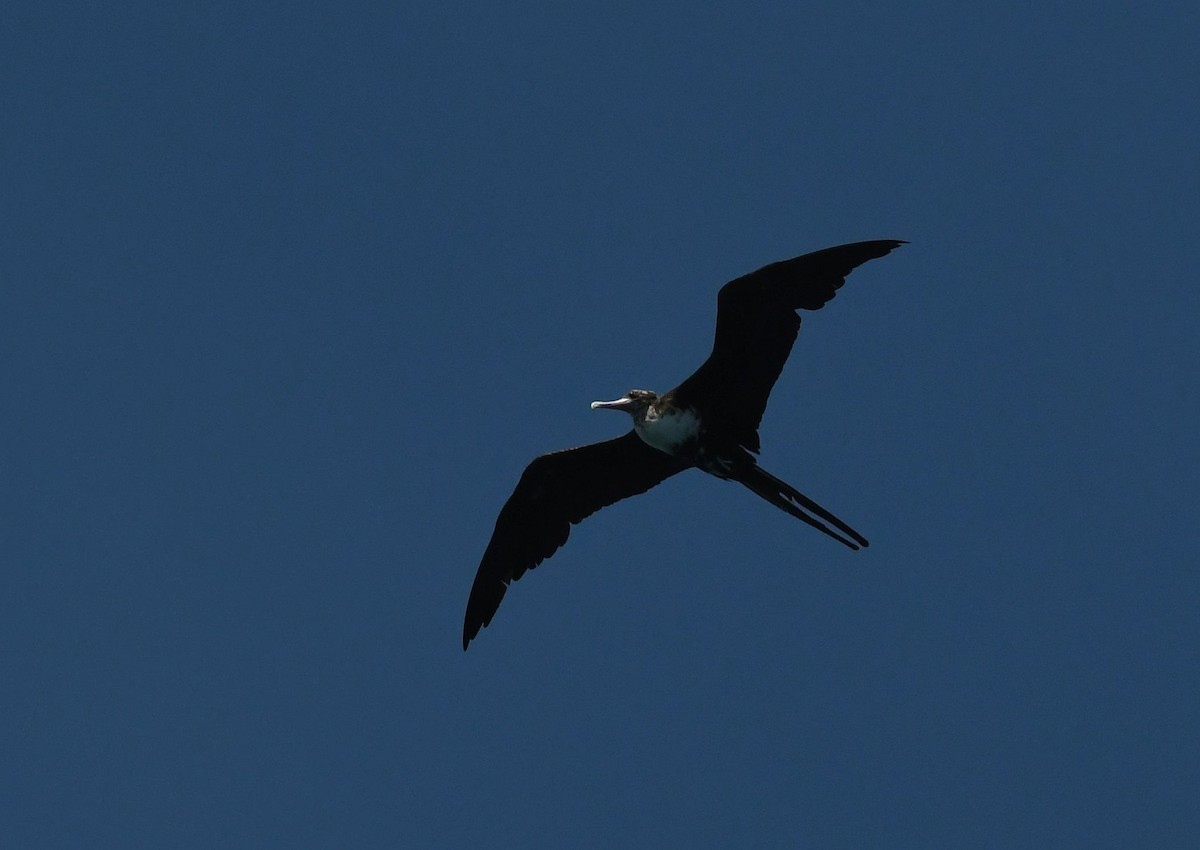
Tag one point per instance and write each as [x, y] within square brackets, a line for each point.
[672, 430]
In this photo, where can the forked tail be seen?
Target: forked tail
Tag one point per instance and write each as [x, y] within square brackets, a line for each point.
[786, 497]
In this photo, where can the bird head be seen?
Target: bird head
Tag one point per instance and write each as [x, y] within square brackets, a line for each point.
[634, 402]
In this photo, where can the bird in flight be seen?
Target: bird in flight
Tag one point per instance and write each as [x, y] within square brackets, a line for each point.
[710, 421]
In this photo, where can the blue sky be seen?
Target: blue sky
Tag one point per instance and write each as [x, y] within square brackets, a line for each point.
[293, 292]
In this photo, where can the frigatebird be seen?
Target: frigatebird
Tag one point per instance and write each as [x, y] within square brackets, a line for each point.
[710, 421]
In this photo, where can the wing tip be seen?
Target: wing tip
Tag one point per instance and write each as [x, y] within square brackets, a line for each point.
[481, 608]
[474, 622]
[886, 246]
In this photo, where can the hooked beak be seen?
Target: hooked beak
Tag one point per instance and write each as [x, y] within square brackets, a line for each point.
[622, 403]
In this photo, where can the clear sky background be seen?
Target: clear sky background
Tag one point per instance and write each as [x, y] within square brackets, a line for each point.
[292, 292]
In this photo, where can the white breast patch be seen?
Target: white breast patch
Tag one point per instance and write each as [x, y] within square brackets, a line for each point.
[668, 433]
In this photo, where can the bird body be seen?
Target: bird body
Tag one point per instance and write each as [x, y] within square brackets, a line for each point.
[710, 422]
[670, 431]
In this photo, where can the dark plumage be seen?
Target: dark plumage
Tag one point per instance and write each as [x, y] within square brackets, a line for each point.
[710, 421]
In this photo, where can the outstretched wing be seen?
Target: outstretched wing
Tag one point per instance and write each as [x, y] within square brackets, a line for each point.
[556, 490]
[756, 326]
